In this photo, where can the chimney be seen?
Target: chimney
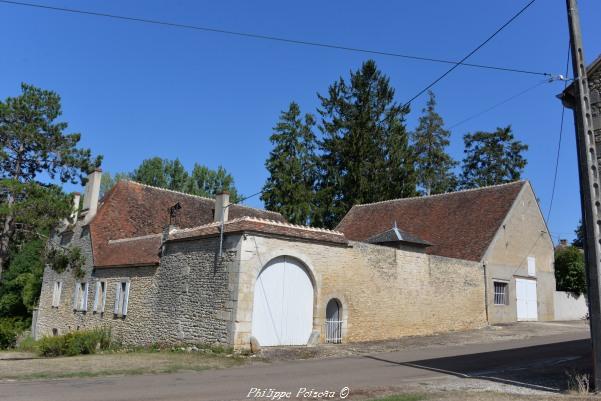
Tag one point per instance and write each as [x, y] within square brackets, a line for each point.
[91, 195]
[75, 210]
[563, 242]
[222, 201]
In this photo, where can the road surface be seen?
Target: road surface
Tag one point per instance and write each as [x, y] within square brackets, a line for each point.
[530, 363]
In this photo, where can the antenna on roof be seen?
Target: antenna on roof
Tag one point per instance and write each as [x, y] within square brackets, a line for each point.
[174, 214]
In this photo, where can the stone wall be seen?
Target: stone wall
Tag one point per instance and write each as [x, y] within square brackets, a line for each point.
[385, 292]
[523, 234]
[187, 298]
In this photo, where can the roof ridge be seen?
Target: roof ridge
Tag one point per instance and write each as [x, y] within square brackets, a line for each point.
[443, 194]
[192, 195]
[261, 220]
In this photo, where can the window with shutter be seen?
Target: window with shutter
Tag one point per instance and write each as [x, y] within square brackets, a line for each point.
[56, 294]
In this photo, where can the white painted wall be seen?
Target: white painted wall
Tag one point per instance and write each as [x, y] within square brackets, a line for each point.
[567, 307]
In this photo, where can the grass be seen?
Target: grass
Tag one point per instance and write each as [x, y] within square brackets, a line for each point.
[118, 362]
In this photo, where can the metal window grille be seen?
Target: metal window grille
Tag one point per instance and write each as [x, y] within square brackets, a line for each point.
[501, 297]
[334, 331]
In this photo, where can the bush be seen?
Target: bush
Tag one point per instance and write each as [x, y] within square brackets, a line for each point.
[9, 331]
[75, 343]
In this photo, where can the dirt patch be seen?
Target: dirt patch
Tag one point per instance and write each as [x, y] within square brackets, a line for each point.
[20, 368]
[486, 335]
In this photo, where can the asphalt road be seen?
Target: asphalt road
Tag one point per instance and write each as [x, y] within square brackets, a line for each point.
[529, 363]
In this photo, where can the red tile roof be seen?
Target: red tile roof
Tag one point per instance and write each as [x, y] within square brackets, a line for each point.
[136, 251]
[253, 224]
[459, 224]
[132, 209]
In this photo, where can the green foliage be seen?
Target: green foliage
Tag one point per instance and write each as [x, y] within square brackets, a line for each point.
[204, 181]
[61, 259]
[366, 156]
[292, 164]
[570, 275]
[74, 343]
[22, 281]
[10, 328]
[492, 158]
[108, 181]
[33, 142]
[434, 167]
[579, 240]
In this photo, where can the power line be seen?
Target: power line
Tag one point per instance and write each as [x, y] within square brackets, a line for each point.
[272, 38]
[563, 110]
[494, 106]
[469, 54]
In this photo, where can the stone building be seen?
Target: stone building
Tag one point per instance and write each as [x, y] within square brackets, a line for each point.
[168, 267]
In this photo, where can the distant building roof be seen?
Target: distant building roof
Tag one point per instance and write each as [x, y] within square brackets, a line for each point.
[131, 209]
[458, 224]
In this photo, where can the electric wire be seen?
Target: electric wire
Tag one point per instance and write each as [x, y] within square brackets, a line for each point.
[469, 54]
[269, 37]
[563, 110]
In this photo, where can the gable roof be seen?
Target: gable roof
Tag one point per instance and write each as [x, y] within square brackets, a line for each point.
[458, 224]
[131, 209]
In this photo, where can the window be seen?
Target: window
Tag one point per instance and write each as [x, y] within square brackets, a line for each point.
[99, 297]
[80, 297]
[56, 294]
[501, 297]
[121, 298]
[531, 266]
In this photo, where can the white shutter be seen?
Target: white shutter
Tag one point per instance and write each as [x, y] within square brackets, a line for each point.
[117, 296]
[103, 290]
[75, 294]
[531, 266]
[96, 296]
[125, 299]
[55, 294]
[84, 301]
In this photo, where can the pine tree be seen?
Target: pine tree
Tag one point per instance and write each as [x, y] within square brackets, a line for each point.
[289, 189]
[366, 155]
[433, 165]
[492, 158]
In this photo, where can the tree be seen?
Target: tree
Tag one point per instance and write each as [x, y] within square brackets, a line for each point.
[162, 173]
[579, 240]
[365, 151]
[108, 181]
[569, 270]
[433, 165]
[33, 143]
[492, 158]
[289, 189]
[204, 181]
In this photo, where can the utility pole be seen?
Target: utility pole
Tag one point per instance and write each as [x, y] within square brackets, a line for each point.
[590, 190]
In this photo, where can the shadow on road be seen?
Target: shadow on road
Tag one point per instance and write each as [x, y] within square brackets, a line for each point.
[541, 367]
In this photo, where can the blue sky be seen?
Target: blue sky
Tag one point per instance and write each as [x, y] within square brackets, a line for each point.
[135, 90]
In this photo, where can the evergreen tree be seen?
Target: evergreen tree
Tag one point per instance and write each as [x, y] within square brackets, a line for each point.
[33, 143]
[207, 182]
[289, 189]
[433, 165]
[366, 156]
[579, 240]
[492, 158]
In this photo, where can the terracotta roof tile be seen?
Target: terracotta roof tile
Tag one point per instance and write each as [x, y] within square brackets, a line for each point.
[253, 224]
[131, 209]
[459, 224]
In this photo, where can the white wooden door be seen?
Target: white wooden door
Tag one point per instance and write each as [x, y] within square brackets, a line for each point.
[527, 307]
[283, 304]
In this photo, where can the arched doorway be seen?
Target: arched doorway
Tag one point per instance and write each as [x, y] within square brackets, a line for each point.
[334, 321]
[283, 304]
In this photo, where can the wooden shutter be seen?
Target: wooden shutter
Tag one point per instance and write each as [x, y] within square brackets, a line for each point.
[96, 297]
[75, 294]
[125, 299]
[103, 290]
[84, 302]
[117, 296]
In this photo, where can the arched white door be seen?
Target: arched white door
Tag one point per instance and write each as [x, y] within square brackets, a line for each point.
[283, 304]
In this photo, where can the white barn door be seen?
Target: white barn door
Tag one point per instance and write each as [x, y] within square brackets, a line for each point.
[283, 304]
[527, 307]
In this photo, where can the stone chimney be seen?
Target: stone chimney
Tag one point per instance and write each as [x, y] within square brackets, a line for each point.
[75, 210]
[91, 195]
[222, 201]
